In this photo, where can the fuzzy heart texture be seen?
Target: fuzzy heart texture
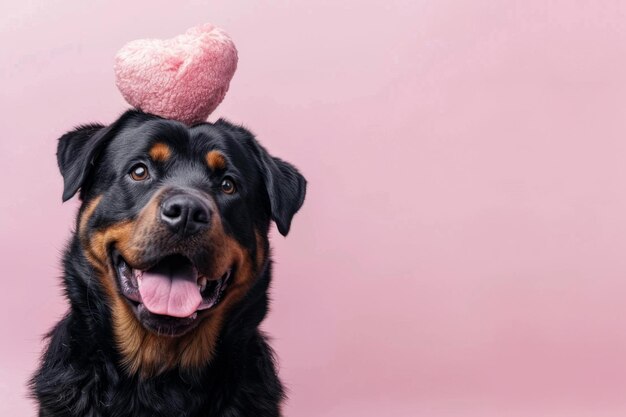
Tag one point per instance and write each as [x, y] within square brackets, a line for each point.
[184, 78]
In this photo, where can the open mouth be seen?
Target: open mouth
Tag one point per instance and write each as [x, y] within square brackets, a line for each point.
[168, 296]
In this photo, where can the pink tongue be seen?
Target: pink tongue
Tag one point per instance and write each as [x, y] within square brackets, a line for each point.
[171, 290]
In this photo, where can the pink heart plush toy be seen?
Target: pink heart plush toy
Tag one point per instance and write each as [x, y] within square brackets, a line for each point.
[184, 78]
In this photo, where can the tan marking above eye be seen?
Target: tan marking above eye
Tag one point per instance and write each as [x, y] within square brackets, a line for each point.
[160, 152]
[215, 160]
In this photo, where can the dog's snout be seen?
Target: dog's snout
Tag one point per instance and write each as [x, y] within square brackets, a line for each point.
[185, 214]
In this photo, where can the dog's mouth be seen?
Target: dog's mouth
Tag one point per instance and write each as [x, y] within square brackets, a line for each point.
[168, 296]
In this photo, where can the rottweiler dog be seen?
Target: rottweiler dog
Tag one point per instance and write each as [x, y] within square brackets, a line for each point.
[167, 272]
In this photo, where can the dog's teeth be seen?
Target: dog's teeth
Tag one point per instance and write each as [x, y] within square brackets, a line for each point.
[202, 283]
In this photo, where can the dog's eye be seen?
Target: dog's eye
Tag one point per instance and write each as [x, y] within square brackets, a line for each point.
[139, 172]
[228, 185]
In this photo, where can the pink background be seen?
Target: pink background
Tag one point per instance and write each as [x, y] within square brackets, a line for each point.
[461, 250]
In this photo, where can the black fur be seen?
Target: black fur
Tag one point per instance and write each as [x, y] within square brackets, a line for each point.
[81, 373]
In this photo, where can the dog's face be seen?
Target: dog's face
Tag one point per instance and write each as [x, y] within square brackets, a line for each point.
[174, 222]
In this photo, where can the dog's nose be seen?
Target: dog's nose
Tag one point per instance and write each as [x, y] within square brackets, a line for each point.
[185, 214]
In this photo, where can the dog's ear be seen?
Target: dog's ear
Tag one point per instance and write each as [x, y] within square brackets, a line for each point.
[286, 189]
[76, 153]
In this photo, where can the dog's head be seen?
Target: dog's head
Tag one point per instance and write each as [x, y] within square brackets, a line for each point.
[174, 223]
